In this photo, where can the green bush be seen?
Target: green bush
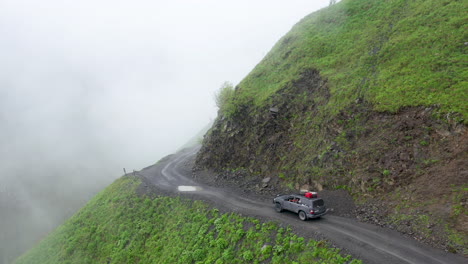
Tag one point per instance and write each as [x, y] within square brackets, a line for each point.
[248, 255]
[223, 96]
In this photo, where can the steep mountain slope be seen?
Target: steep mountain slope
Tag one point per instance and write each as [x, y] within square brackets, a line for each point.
[127, 223]
[368, 96]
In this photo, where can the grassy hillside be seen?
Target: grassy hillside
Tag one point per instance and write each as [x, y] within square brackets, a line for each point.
[367, 96]
[120, 226]
[392, 54]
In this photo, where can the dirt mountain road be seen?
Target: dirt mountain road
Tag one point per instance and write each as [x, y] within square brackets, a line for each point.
[370, 243]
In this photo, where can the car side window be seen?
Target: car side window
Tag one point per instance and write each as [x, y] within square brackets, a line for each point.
[293, 199]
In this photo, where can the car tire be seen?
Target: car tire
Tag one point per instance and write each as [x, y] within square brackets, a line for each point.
[302, 215]
[278, 207]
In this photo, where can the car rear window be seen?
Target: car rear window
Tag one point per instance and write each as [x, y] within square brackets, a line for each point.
[318, 202]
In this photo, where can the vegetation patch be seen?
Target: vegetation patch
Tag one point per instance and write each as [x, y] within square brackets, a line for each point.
[119, 226]
[392, 54]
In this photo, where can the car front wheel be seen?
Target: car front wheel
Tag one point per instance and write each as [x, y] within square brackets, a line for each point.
[302, 215]
[278, 208]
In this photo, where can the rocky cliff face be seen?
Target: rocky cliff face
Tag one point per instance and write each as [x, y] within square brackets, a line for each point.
[260, 138]
[360, 148]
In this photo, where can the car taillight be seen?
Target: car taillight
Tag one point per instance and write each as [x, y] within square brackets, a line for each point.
[312, 212]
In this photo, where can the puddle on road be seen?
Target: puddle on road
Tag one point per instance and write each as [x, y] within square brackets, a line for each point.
[183, 188]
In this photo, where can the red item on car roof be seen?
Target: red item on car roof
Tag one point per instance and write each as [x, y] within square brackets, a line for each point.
[310, 195]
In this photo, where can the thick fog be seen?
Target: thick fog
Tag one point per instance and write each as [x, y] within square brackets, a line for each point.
[88, 88]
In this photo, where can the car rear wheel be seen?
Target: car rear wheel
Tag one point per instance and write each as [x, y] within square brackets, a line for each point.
[302, 215]
[278, 208]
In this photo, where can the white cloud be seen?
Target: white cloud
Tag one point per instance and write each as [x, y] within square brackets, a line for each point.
[148, 65]
[89, 87]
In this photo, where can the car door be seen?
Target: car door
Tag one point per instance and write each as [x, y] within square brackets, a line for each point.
[287, 204]
[305, 205]
[297, 205]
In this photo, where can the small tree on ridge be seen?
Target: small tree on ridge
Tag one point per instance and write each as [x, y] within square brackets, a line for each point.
[223, 95]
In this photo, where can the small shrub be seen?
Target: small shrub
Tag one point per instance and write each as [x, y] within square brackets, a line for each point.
[248, 255]
[424, 143]
[278, 250]
[199, 254]
[221, 243]
[223, 96]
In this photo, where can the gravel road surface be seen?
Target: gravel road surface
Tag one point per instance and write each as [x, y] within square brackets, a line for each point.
[368, 242]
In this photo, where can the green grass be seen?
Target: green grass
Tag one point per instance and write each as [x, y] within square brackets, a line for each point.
[118, 226]
[393, 53]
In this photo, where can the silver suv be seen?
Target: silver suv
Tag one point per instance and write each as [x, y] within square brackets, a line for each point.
[305, 207]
